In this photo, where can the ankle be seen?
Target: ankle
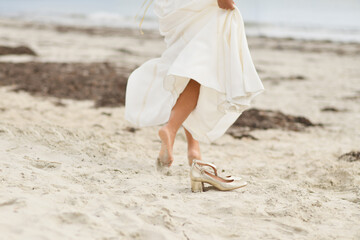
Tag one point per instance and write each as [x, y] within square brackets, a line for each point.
[169, 129]
[193, 145]
[194, 153]
[194, 150]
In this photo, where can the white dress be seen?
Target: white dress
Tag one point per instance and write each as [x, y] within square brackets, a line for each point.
[206, 44]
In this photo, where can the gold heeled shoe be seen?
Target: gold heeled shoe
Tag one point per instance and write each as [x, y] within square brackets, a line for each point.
[199, 175]
[214, 168]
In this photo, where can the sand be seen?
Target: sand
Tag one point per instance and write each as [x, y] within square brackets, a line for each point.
[78, 172]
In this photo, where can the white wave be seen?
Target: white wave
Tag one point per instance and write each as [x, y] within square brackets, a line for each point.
[107, 19]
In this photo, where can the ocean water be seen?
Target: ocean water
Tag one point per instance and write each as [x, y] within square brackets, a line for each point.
[337, 20]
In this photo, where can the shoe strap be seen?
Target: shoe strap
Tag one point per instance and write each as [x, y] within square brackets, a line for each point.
[202, 163]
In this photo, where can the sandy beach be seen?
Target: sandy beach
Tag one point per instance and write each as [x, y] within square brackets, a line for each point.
[71, 167]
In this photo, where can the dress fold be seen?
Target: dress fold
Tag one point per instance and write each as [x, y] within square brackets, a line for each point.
[206, 44]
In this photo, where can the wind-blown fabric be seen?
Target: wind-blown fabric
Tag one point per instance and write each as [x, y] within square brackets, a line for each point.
[206, 44]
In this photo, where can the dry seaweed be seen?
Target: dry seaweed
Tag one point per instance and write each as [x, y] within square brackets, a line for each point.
[350, 157]
[21, 50]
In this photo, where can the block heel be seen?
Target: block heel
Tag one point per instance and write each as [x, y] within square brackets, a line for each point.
[197, 186]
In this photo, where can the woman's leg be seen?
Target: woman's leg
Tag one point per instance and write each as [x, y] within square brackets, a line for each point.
[193, 148]
[185, 104]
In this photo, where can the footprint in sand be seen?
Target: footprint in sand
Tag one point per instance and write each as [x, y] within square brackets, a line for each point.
[290, 230]
[74, 218]
[41, 164]
[17, 203]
